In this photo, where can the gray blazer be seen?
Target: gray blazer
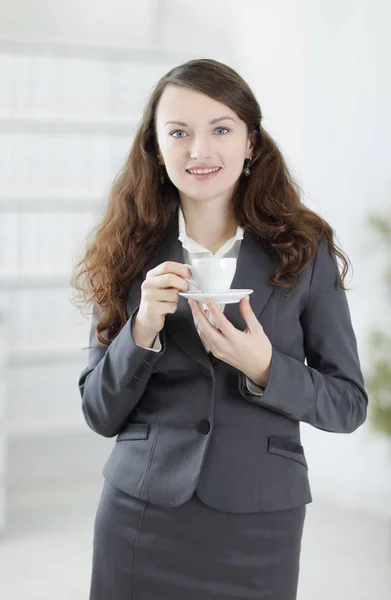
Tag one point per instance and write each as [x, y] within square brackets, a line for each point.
[186, 422]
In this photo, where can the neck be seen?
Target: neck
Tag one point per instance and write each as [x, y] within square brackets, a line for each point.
[208, 225]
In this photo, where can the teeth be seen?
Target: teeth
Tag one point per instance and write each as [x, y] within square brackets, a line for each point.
[202, 171]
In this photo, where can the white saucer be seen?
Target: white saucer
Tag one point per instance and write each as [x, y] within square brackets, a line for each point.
[229, 297]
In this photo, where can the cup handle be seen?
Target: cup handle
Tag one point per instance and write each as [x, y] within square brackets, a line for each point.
[191, 282]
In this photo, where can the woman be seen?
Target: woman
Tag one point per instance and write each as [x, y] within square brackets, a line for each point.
[206, 487]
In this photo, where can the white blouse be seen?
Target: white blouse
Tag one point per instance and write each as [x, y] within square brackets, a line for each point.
[191, 250]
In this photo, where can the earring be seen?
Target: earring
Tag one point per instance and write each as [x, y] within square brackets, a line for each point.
[247, 170]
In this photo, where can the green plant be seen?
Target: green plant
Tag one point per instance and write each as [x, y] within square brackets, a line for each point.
[378, 379]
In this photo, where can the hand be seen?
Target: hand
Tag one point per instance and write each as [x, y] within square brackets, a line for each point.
[159, 296]
[250, 351]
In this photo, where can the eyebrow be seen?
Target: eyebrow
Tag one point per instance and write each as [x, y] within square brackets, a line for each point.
[212, 122]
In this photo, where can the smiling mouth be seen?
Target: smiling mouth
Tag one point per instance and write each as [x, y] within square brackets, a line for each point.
[206, 175]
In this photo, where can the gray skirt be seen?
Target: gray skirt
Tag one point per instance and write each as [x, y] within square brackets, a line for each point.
[192, 552]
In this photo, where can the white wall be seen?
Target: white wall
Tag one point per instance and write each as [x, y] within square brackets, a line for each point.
[118, 22]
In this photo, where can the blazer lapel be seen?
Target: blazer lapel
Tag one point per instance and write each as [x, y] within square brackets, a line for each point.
[255, 265]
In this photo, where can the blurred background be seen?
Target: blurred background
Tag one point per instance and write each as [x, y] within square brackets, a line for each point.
[74, 78]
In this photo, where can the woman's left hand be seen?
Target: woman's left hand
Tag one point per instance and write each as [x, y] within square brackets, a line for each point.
[250, 350]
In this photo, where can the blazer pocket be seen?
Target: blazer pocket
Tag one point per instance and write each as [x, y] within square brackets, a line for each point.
[134, 431]
[287, 449]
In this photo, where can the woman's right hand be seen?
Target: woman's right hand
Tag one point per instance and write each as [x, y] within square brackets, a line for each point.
[159, 295]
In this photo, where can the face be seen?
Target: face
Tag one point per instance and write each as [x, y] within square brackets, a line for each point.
[197, 142]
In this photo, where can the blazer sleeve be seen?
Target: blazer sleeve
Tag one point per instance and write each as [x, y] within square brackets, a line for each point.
[156, 346]
[115, 378]
[328, 392]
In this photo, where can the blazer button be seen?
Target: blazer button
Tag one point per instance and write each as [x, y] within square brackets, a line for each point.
[203, 426]
[205, 371]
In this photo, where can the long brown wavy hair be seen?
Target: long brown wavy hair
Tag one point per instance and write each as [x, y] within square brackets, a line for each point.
[135, 222]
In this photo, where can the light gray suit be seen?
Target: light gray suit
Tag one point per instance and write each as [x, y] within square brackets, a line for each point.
[185, 421]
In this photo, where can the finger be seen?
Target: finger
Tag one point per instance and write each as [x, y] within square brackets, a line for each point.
[197, 309]
[219, 318]
[203, 322]
[249, 315]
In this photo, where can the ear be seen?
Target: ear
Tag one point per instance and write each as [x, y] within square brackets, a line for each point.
[250, 146]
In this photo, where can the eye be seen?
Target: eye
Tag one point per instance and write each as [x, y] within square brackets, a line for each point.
[181, 131]
[223, 128]
[176, 131]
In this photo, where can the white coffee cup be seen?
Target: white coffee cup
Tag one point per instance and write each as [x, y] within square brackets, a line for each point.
[212, 274]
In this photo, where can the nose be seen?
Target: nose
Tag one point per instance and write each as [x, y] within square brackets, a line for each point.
[201, 149]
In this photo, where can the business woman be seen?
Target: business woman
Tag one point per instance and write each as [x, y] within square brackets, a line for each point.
[206, 486]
